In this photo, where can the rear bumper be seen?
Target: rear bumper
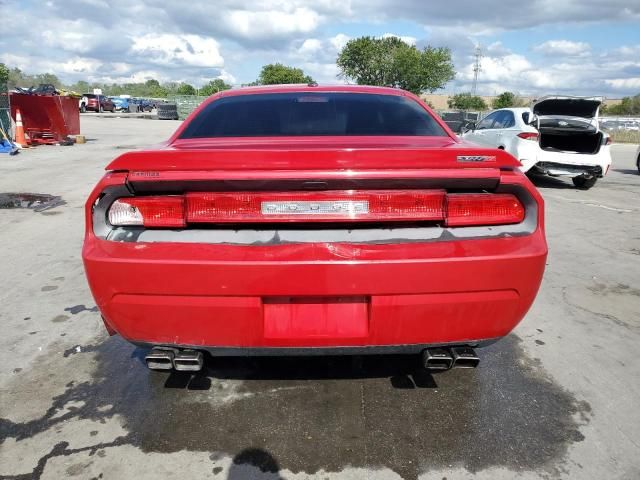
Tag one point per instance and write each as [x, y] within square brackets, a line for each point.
[531, 156]
[304, 297]
[566, 169]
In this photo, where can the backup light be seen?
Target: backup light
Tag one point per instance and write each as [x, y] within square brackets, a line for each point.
[148, 212]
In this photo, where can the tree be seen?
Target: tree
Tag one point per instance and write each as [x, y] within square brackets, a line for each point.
[391, 62]
[277, 73]
[185, 89]
[80, 87]
[506, 100]
[4, 75]
[214, 86]
[628, 106]
[466, 101]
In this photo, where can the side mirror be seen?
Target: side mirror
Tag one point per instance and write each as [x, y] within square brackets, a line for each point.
[529, 118]
[468, 127]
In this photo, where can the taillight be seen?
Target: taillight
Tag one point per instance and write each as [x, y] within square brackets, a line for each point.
[529, 136]
[483, 209]
[454, 210]
[315, 206]
[148, 212]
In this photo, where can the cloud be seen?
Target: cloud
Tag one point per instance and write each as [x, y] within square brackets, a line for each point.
[172, 50]
[405, 38]
[624, 83]
[566, 48]
[490, 16]
[121, 40]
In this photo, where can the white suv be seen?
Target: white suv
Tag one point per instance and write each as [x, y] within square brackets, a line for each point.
[558, 136]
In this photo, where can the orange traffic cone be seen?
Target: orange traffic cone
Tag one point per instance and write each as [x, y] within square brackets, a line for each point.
[21, 140]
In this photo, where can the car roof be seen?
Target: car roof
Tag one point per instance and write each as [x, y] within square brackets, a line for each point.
[514, 109]
[310, 88]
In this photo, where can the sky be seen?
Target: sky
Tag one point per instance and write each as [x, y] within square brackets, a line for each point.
[580, 47]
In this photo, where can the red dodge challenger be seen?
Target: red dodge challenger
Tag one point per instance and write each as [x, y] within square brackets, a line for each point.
[308, 220]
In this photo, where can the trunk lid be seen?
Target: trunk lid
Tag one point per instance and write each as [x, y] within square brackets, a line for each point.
[567, 114]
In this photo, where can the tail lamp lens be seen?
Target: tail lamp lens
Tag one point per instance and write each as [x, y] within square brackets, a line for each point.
[528, 136]
[316, 206]
[148, 212]
[483, 209]
[455, 210]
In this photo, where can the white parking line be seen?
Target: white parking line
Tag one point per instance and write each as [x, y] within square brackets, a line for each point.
[589, 204]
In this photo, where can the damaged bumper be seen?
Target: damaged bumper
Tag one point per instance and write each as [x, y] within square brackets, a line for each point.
[566, 169]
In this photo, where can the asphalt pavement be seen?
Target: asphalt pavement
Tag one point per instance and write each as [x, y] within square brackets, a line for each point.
[558, 398]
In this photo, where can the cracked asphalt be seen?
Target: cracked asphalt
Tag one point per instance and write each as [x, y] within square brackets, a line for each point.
[556, 399]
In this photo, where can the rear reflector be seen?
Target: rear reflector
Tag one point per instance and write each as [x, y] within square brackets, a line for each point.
[331, 206]
[148, 211]
[528, 136]
[483, 209]
[454, 210]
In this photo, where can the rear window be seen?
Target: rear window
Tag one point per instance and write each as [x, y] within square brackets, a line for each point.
[312, 114]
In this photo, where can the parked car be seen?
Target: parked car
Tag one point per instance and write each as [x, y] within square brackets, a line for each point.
[295, 220]
[121, 104]
[96, 103]
[631, 126]
[140, 105]
[559, 136]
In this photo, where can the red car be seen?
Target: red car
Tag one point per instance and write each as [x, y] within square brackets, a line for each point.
[96, 103]
[314, 220]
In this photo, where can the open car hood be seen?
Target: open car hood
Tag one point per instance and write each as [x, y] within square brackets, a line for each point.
[585, 107]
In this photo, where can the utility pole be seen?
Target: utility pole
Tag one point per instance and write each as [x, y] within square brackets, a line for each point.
[476, 69]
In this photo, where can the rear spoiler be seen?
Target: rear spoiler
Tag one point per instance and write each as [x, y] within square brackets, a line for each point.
[451, 156]
[228, 180]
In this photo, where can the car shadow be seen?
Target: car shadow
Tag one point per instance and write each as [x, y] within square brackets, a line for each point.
[544, 181]
[627, 171]
[403, 371]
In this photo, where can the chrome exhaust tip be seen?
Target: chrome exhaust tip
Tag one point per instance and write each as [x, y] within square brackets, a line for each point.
[159, 359]
[436, 359]
[464, 357]
[188, 361]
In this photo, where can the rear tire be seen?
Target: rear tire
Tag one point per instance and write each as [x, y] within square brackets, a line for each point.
[638, 163]
[584, 182]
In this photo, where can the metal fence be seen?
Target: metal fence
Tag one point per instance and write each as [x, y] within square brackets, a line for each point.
[5, 110]
[186, 103]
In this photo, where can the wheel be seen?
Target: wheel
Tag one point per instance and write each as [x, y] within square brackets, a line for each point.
[83, 108]
[638, 163]
[584, 182]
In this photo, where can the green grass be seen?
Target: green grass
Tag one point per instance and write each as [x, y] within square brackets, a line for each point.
[625, 136]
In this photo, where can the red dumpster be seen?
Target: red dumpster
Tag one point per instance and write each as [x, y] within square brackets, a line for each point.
[47, 118]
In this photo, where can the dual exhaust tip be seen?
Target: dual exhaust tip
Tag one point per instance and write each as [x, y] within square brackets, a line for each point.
[163, 358]
[433, 359]
[438, 359]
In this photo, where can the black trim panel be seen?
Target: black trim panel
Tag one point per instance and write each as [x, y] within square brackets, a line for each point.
[216, 351]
